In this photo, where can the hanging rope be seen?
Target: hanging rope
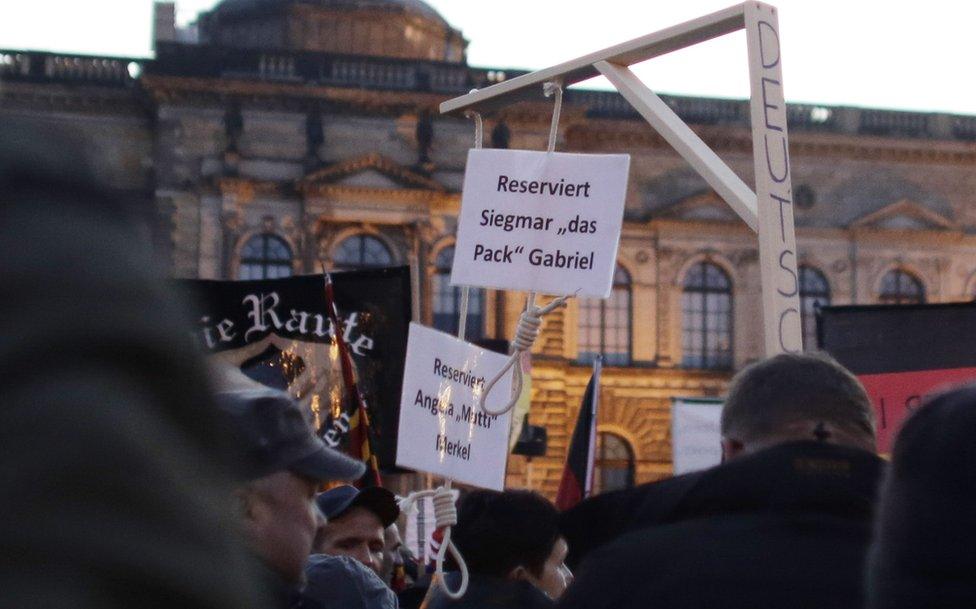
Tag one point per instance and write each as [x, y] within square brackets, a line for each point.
[445, 517]
[549, 89]
[479, 142]
[445, 512]
[530, 322]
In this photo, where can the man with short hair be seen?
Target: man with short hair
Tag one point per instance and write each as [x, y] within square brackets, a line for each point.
[792, 398]
[784, 522]
[282, 465]
[355, 523]
[513, 549]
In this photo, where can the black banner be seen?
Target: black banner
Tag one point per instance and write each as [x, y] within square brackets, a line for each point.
[901, 353]
[278, 332]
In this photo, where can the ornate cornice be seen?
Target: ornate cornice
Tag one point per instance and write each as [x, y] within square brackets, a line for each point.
[172, 89]
[374, 160]
[85, 99]
[606, 134]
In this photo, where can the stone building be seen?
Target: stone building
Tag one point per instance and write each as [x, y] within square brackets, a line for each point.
[284, 135]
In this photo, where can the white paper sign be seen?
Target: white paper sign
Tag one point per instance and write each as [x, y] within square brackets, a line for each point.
[696, 436]
[442, 429]
[546, 222]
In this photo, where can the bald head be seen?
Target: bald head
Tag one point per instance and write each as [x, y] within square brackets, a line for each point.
[789, 397]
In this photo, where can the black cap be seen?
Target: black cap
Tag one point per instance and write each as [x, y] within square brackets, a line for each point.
[274, 435]
[337, 501]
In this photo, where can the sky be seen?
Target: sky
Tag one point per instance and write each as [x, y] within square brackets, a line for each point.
[869, 53]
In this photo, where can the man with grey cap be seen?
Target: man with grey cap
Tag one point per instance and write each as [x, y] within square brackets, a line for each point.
[283, 464]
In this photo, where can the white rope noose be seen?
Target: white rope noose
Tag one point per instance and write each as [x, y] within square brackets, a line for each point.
[445, 512]
[445, 517]
[530, 322]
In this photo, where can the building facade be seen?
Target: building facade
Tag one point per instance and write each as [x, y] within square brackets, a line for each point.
[287, 136]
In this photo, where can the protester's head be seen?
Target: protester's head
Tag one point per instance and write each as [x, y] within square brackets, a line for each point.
[922, 554]
[342, 582]
[793, 397]
[392, 552]
[283, 463]
[355, 523]
[513, 535]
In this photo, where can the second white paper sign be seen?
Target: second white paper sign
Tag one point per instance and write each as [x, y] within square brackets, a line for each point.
[546, 222]
[442, 429]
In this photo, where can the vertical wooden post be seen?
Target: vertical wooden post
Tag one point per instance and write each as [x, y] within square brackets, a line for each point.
[774, 194]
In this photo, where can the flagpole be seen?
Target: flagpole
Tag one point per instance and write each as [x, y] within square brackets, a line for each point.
[594, 406]
[352, 386]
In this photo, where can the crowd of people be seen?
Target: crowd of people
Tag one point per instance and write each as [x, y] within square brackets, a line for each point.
[134, 476]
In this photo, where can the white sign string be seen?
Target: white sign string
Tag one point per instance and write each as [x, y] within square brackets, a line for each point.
[530, 322]
[479, 142]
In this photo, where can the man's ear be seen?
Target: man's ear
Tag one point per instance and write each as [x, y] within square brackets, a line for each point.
[731, 448]
[519, 573]
[246, 504]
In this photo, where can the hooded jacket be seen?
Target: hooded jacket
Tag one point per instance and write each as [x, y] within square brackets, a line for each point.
[788, 526]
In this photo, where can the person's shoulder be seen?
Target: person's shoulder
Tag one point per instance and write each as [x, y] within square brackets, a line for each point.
[794, 477]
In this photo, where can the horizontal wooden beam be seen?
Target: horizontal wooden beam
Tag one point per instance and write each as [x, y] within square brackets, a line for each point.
[529, 86]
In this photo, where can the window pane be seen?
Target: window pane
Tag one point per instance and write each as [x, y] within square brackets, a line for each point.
[265, 256]
[706, 324]
[814, 292]
[447, 300]
[614, 465]
[604, 326]
[900, 287]
[361, 252]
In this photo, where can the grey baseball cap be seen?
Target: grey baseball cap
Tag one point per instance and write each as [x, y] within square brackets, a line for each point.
[273, 434]
[341, 581]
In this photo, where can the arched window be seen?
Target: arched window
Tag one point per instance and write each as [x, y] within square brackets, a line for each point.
[901, 287]
[265, 256]
[447, 300]
[706, 324]
[814, 292]
[614, 466]
[604, 325]
[361, 252]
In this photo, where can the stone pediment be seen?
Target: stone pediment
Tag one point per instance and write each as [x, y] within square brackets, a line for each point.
[705, 207]
[904, 215]
[370, 171]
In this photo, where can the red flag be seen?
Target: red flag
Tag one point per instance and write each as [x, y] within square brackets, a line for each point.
[359, 437]
[577, 480]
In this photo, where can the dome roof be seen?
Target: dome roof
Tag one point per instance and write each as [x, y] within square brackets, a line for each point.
[398, 29]
[414, 7]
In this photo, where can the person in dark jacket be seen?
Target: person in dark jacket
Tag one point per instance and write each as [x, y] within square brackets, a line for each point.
[513, 549]
[114, 484]
[922, 555]
[785, 522]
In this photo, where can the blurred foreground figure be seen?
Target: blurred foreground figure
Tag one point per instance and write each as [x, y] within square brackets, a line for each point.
[513, 549]
[283, 464]
[785, 522]
[113, 486]
[923, 554]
